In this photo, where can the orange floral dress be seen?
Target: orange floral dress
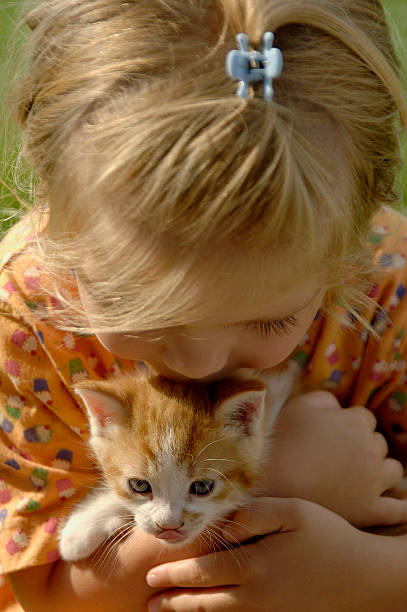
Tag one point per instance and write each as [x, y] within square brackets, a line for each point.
[44, 464]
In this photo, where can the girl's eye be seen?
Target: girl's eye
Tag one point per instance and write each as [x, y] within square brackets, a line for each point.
[139, 486]
[266, 328]
[201, 487]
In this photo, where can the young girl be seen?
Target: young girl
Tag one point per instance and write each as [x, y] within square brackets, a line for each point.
[198, 231]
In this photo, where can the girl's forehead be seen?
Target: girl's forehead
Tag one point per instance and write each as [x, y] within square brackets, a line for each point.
[255, 291]
[218, 289]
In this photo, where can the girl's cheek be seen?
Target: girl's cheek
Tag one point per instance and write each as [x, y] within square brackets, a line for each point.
[127, 348]
[273, 355]
[269, 352]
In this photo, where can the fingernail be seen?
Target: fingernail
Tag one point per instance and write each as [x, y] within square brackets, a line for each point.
[155, 578]
[152, 580]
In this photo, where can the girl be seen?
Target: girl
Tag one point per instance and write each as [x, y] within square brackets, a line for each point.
[199, 232]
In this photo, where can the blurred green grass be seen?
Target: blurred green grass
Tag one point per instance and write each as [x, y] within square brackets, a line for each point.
[397, 10]
[8, 156]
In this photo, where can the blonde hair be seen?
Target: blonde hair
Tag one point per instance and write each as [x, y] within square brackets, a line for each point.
[155, 173]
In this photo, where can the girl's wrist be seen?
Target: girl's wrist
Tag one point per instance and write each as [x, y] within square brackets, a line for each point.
[385, 573]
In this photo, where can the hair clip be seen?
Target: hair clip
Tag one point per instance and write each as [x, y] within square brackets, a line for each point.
[248, 66]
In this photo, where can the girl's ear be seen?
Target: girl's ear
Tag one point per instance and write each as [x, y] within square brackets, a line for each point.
[243, 413]
[102, 408]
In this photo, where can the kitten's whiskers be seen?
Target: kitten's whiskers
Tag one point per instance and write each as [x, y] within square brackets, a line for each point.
[207, 446]
[221, 459]
[246, 548]
[232, 486]
[224, 544]
[106, 554]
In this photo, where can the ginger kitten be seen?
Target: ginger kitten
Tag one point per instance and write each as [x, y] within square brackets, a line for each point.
[175, 457]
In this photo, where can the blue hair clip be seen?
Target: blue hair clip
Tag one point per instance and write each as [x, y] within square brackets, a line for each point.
[248, 66]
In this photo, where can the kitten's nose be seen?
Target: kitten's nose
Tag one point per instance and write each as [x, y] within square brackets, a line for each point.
[169, 525]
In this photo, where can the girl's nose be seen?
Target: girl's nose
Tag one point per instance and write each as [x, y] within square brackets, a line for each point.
[197, 363]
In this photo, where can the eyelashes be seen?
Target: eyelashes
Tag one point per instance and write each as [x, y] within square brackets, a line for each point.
[267, 328]
[262, 329]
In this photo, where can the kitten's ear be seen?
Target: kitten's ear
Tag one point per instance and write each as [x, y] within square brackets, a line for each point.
[102, 409]
[242, 413]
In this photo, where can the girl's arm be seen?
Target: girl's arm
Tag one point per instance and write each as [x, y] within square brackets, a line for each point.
[315, 561]
[320, 452]
[335, 458]
[112, 579]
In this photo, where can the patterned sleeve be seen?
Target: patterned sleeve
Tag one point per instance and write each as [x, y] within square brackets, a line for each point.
[382, 379]
[44, 464]
[359, 367]
[389, 399]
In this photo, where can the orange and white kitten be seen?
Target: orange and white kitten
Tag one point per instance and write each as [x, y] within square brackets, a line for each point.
[175, 458]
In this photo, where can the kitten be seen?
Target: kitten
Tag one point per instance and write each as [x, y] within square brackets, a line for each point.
[175, 457]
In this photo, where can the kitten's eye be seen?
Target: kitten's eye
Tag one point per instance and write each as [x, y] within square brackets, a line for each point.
[139, 486]
[201, 487]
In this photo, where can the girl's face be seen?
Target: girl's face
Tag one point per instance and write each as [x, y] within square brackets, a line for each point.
[240, 331]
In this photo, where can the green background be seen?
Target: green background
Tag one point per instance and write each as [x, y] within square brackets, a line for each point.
[398, 16]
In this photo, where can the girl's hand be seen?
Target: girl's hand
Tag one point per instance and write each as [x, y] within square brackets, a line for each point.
[314, 560]
[334, 457]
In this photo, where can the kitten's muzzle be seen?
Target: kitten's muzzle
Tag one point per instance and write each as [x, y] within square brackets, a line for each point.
[171, 535]
[168, 526]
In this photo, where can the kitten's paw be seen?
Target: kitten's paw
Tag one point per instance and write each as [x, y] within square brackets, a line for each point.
[112, 525]
[77, 542]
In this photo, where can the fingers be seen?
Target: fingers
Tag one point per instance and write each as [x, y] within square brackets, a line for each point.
[265, 516]
[365, 416]
[208, 571]
[392, 473]
[180, 601]
[381, 444]
[390, 511]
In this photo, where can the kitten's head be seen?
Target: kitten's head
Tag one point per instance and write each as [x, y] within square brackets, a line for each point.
[180, 456]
